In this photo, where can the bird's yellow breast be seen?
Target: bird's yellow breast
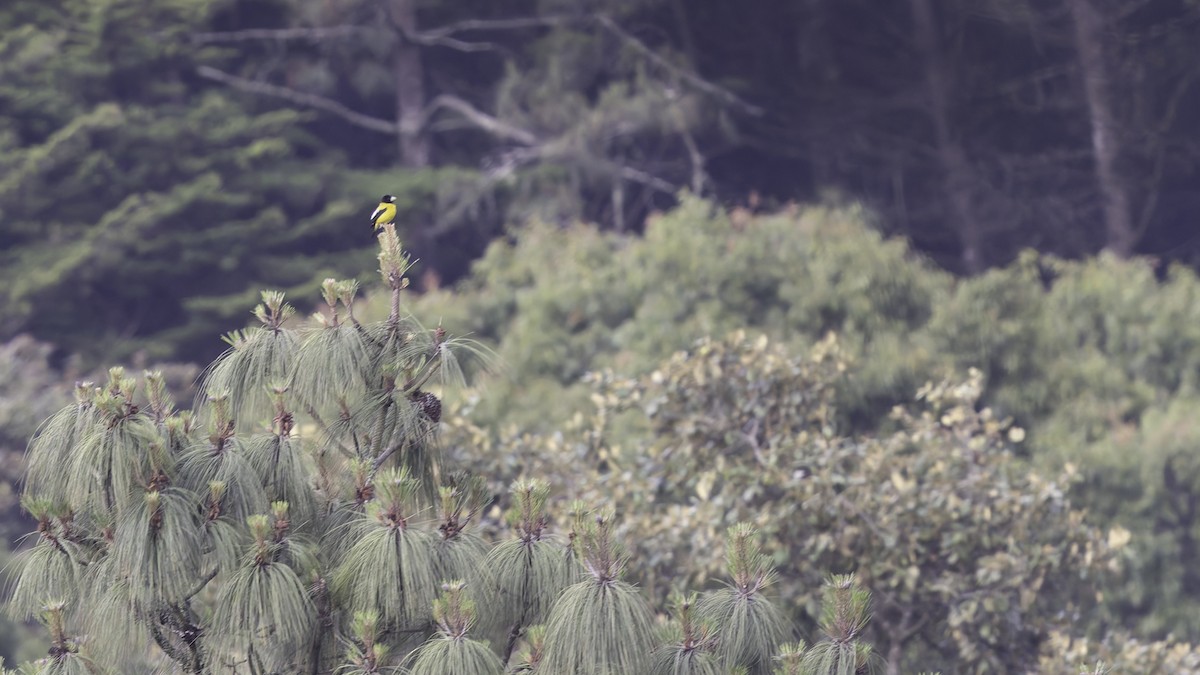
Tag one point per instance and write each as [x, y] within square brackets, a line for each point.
[384, 214]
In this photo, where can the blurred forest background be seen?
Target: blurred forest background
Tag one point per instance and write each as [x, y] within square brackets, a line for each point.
[1007, 185]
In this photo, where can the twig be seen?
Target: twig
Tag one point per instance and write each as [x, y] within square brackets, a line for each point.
[316, 416]
[300, 97]
[383, 457]
[381, 423]
[200, 586]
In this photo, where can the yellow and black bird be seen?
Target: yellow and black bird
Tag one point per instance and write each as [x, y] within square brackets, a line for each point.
[385, 212]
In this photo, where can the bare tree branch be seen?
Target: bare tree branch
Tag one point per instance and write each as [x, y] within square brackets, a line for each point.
[494, 24]
[426, 40]
[480, 119]
[699, 175]
[554, 151]
[281, 34]
[202, 583]
[535, 149]
[302, 98]
[317, 34]
[440, 36]
[689, 77]
[383, 457]
[1160, 151]
[647, 179]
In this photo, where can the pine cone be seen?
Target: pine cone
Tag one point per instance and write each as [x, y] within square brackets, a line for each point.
[429, 405]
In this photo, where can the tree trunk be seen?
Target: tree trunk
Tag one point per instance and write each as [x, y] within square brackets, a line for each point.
[895, 652]
[410, 86]
[1114, 191]
[957, 175]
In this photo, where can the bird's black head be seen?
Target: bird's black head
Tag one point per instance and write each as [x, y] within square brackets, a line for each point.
[388, 199]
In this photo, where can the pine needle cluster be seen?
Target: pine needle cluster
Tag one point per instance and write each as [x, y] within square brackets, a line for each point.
[248, 533]
[450, 651]
[751, 626]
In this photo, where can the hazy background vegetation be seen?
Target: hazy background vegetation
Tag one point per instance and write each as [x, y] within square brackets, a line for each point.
[1008, 185]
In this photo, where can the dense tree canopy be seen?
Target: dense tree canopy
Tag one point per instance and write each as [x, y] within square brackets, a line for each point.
[230, 144]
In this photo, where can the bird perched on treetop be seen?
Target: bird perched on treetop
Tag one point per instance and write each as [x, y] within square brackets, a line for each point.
[385, 212]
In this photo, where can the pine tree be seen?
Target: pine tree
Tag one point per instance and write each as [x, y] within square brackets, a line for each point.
[140, 201]
[299, 519]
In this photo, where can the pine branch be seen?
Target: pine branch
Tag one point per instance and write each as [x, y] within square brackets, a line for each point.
[300, 97]
[517, 629]
[320, 594]
[201, 584]
[381, 423]
[325, 429]
[383, 457]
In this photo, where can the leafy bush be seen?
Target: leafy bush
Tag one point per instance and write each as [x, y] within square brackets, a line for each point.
[973, 558]
[1118, 653]
[611, 301]
[1083, 355]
